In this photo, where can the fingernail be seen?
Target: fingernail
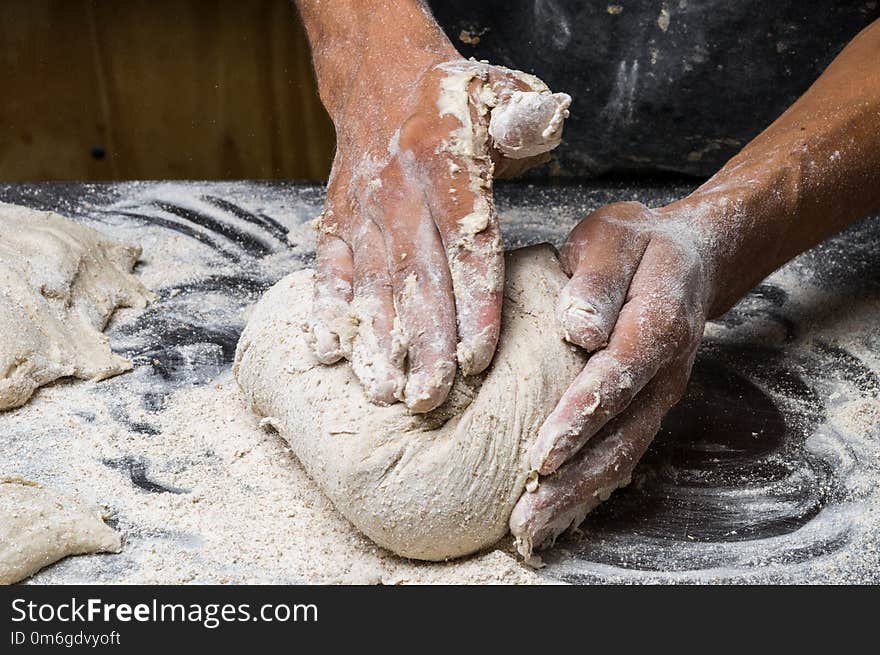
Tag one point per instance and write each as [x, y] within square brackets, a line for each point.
[548, 435]
[582, 326]
[533, 524]
[426, 390]
[326, 344]
[532, 482]
[475, 354]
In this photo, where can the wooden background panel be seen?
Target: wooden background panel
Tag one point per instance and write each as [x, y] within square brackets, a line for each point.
[167, 89]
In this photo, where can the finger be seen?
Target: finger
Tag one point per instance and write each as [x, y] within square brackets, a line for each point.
[423, 297]
[603, 256]
[563, 499]
[459, 187]
[378, 353]
[332, 326]
[468, 226]
[651, 328]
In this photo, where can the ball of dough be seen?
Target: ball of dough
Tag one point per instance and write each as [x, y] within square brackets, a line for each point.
[426, 486]
[529, 123]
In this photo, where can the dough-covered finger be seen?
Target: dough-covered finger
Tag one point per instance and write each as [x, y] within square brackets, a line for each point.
[378, 352]
[485, 111]
[563, 499]
[423, 298]
[332, 326]
[458, 183]
[468, 225]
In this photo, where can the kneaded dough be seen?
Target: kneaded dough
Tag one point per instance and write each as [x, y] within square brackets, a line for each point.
[431, 486]
[39, 527]
[59, 284]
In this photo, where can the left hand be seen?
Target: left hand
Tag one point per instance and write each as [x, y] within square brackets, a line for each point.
[638, 298]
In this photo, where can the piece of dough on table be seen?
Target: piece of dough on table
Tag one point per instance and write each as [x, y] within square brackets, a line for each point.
[426, 486]
[59, 284]
[39, 527]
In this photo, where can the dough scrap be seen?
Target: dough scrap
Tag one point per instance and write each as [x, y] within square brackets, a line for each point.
[426, 486]
[38, 527]
[59, 284]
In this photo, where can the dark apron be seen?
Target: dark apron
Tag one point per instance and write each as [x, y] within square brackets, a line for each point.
[674, 86]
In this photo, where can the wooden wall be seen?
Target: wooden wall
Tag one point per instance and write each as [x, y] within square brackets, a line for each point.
[157, 89]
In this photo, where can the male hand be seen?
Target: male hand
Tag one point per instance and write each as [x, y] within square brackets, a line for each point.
[409, 255]
[638, 299]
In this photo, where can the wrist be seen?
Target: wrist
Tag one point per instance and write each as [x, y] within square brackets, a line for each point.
[360, 93]
[739, 232]
[367, 53]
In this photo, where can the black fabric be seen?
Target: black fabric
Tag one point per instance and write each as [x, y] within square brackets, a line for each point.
[674, 86]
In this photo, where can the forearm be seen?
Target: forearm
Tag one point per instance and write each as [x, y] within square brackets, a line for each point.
[811, 173]
[367, 49]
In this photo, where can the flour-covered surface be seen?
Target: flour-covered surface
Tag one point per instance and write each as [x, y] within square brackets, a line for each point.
[768, 471]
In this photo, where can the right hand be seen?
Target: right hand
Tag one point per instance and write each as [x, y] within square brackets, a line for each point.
[410, 264]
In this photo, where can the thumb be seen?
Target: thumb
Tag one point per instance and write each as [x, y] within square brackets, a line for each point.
[604, 256]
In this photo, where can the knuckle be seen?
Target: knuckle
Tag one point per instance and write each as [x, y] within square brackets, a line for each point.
[681, 335]
[625, 211]
[383, 191]
[677, 321]
[371, 283]
[404, 266]
[681, 324]
[415, 135]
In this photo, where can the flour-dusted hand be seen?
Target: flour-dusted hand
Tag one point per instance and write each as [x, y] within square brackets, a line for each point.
[644, 281]
[637, 298]
[410, 261]
[410, 266]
